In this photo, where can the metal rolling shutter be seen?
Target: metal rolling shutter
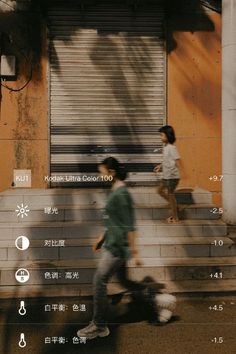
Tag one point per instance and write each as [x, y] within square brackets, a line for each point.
[107, 86]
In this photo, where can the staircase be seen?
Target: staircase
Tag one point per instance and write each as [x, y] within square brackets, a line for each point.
[195, 255]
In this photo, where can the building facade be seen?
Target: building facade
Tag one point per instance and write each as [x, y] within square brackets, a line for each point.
[99, 78]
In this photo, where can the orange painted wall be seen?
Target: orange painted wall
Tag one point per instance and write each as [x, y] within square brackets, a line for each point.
[24, 114]
[194, 104]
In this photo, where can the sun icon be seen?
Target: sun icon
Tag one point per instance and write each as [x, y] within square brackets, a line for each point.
[22, 210]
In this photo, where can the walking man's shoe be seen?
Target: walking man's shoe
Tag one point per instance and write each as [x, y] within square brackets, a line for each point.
[92, 331]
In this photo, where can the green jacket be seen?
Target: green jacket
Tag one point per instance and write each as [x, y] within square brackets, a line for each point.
[119, 220]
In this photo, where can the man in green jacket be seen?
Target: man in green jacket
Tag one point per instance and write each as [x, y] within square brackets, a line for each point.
[118, 245]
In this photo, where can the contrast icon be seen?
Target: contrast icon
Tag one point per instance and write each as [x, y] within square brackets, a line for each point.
[22, 309]
[22, 342]
[22, 275]
[22, 210]
[22, 243]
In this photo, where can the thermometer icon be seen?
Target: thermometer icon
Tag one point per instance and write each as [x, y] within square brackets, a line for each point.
[22, 342]
[22, 309]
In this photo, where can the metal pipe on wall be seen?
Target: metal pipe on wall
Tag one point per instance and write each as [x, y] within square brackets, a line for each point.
[229, 110]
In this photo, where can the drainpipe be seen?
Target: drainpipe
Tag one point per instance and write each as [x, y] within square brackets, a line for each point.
[229, 110]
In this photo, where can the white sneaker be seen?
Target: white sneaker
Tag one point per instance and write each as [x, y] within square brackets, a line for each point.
[92, 331]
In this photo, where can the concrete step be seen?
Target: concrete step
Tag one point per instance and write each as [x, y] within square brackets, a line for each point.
[95, 212]
[142, 241]
[182, 256]
[58, 196]
[149, 247]
[77, 229]
[80, 290]
[81, 271]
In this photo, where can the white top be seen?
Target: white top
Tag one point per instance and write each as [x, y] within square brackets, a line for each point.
[169, 168]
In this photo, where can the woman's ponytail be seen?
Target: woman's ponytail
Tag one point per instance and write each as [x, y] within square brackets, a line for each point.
[122, 173]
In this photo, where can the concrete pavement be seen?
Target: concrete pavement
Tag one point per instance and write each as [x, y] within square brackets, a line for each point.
[195, 328]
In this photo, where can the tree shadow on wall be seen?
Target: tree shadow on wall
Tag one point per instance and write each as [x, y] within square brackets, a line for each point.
[183, 16]
[22, 31]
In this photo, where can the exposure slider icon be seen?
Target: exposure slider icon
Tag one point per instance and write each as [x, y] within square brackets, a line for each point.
[22, 210]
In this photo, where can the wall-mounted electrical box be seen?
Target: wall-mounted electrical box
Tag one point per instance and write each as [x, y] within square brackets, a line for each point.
[8, 66]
